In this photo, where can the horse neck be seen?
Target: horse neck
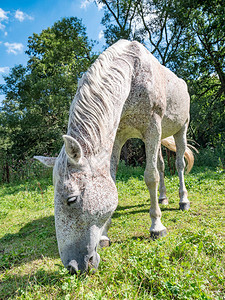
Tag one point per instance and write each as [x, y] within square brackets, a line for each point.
[99, 157]
[101, 142]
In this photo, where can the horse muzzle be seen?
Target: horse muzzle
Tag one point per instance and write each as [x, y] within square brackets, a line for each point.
[86, 265]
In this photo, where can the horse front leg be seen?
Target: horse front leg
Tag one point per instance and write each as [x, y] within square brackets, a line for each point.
[162, 188]
[181, 145]
[151, 175]
[105, 240]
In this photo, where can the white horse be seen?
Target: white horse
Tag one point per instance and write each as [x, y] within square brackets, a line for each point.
[125, 94]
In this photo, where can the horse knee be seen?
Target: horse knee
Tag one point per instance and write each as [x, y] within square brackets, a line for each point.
[151, 177]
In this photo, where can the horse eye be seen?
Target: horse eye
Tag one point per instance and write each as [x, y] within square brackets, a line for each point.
[72, 199]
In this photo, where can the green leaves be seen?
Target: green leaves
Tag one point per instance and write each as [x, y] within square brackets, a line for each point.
[35, 111]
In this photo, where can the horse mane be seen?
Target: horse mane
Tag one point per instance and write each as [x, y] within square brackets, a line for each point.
[92, 110]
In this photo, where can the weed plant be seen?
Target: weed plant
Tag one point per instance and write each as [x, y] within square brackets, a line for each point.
[186, 264]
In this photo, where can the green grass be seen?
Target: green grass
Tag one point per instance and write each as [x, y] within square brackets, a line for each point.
[187, 264]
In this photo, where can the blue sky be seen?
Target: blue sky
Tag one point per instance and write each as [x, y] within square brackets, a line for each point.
[20, 19]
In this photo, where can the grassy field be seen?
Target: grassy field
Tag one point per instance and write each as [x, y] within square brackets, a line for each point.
[187, 264]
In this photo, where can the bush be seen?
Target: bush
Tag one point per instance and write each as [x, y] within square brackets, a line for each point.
[12, 170]
[210, 157]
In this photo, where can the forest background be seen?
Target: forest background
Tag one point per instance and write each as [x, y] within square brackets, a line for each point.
[188, 37]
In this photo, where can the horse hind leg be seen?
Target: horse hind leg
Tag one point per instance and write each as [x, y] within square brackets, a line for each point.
[181, 145]
[162, 188]
[151, 175]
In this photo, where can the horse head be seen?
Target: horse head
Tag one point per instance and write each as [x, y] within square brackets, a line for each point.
[85, 198]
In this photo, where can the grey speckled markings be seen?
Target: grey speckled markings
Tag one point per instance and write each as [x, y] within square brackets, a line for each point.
[126, 93]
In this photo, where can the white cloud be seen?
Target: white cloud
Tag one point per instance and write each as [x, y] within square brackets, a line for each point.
[2, 27]
[4, 70]
[21, 16]
[86, 3]
[3, 18]
[3, 15]
[100, 35]
[14, 48]
[100, 5]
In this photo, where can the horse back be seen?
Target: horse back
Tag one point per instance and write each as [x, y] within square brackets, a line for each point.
[153, 89]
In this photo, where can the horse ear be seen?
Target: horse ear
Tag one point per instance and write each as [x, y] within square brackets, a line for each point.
[48, 161]
[73, 149]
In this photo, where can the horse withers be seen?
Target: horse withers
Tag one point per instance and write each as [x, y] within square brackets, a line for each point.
[126, 93]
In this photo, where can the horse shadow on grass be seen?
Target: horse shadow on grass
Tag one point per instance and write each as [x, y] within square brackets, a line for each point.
[35, 240]
[137, 209]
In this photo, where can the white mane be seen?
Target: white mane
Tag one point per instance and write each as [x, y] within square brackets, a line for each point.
[92, 109]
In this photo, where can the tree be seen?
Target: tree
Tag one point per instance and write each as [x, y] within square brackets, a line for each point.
[201, 60]
[38, 96]
[148, 21]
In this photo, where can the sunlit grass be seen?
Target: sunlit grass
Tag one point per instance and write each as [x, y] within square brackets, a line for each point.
[187, 264]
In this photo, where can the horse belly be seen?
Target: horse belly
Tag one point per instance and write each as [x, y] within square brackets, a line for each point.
[132, 126]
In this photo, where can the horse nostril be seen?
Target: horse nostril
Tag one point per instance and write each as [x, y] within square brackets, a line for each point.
[90, 262]
[73, 267]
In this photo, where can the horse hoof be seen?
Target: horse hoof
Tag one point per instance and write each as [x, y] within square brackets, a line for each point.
[163, 201]
[158, 234]
[104, 242]
[184, 206]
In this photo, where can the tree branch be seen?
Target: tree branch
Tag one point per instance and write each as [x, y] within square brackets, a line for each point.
[113, 14]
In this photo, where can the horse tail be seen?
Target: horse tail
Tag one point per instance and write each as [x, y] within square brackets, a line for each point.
[169, 143]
